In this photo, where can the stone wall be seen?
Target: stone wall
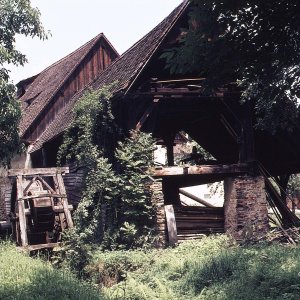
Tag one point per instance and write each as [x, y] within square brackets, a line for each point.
[245, 207]
[158, 203]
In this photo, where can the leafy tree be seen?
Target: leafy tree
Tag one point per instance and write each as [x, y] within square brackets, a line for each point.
[16, 17]
[253, 43]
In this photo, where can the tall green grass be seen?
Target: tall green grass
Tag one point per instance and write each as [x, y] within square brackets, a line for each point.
[25, 278]
[213, 268]
[210, 269]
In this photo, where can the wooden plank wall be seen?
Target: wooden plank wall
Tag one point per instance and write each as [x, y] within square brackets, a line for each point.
[74, 183]
[194, 220]
[5, 198]
[98, 60]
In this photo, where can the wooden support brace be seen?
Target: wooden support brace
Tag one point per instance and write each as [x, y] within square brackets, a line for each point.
[171, 225]
[21, 211]
[62, 190]
[195, 198]
[46, 184]
[146, 114]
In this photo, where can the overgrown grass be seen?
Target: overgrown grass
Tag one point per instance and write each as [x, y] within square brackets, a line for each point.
[25, 278]
[212, 268]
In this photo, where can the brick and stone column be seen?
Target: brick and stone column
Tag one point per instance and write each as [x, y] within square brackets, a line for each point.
[245, 207]
[158, 203]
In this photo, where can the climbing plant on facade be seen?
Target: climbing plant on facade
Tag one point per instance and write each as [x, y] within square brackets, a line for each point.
[115, 208]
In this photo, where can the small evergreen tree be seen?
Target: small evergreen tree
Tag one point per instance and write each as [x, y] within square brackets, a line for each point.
[115, 208]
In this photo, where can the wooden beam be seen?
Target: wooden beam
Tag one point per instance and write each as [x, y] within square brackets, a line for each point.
[38, 171]
[195, 198]
[169, 141]
[56, 209]
[247, 151]
[43, 196]
[146, 114]
[42, 246]
[62, 190]
[200, 170]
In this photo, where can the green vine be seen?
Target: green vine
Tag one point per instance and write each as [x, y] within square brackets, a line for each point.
[115, 209]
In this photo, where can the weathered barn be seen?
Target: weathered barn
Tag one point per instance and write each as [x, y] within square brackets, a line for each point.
[147, 97]
[46, 94]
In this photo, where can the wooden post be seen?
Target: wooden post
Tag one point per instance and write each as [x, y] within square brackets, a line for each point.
[169, 141]
[62, 191]
[44, 157]
[171, 225]
[21, 211]
[246, 143]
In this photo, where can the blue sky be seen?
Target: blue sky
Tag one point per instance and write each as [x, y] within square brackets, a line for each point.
[74, 22]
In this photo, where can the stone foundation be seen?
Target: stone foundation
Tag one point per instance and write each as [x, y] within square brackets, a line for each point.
[245, 207]
[158, 203]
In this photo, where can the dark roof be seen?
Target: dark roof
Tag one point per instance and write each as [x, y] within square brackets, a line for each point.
[48, 82]
[124, 71]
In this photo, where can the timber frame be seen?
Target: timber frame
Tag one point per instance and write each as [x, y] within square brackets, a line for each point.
[147, 98]
[41, 207]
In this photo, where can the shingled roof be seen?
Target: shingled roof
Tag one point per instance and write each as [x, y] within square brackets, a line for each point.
[48, 82]
[124, 71]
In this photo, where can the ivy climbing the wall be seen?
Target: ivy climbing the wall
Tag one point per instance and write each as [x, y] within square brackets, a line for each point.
[115, 210]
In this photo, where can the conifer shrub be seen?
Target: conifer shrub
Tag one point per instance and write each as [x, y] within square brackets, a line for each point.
[115, 211]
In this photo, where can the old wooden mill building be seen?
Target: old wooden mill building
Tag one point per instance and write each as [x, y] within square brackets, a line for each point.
[147, 97]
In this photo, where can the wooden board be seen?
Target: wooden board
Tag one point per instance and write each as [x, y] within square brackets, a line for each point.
[200, 170]
[38, 171]
[171, 225]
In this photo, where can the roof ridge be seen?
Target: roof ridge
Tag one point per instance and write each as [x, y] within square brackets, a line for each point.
[130, 61]
[91, 43]
[184, 4]
[150, 32]
[70, 54]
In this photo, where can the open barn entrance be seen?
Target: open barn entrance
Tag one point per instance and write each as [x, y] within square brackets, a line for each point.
[243, 212]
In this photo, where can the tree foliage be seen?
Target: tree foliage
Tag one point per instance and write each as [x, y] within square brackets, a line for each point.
[253, 43]
[115, 208]
[16, 17]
